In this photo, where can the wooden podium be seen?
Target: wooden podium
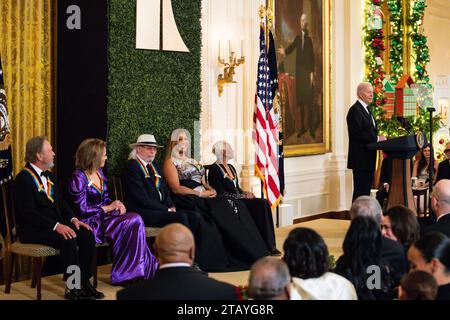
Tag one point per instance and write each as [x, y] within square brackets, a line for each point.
[400, 150]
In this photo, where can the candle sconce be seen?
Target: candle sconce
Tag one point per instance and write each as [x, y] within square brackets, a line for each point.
[229, 68]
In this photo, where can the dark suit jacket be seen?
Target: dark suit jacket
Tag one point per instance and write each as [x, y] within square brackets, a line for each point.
[35, 213]
[442, 226]
[361, 132]
[179, 283]
[140, 193]
[394, 254]
[443, 170]
[220, 183]
[304, 65]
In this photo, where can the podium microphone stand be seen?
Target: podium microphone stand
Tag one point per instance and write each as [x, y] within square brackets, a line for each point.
[431, 168]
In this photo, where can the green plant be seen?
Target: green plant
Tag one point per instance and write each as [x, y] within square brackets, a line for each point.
[150, 91]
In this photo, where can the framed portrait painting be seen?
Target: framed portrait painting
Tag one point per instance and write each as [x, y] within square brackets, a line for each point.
[303, 36]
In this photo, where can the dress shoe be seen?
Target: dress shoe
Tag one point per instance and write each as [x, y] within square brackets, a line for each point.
[90, 290]
[275, 252]
[77, 294]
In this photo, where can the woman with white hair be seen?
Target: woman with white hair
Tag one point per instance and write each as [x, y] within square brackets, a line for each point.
[237, 237]
[224, 179]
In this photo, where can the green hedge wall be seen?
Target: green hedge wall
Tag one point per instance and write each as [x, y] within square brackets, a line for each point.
[150, 91]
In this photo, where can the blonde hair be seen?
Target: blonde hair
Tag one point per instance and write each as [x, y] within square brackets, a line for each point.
[89, 154]
[173, 141]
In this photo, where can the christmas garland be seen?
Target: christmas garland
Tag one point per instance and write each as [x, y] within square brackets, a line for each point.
[374, 43]
[396, 37]
[421, 52]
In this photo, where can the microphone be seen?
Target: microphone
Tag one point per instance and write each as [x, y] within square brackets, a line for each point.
[405, 124]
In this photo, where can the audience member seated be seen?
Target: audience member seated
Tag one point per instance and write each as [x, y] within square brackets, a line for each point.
[145, 190]
[440, 203]
[400, 224]
[233, 242]
[385, 180]
[306, 256]
[431, 253]
[392, 251]
[443, 171]
[421, 166]
[44, 217]
[269, 280]
[362, 249]
[418, 285]
[176, 279]
[109, 220]
[224, 179]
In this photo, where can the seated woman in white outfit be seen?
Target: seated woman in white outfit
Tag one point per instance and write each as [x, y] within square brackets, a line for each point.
[306, 255]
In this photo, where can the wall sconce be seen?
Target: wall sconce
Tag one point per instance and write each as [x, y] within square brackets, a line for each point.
[229, 65]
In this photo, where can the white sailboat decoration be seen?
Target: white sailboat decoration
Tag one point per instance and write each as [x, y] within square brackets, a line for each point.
[148, 27]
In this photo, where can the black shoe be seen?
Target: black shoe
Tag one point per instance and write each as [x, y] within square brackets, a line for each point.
[197, 268]
[77, 294]
[275, 252]
[90, 290]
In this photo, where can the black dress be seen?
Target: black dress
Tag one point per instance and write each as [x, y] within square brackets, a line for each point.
[228, 232]
[258, 208]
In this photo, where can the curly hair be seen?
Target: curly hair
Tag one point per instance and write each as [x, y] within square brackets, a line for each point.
[306, 254]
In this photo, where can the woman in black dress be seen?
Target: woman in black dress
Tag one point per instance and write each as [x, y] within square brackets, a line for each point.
[232, 239]
[224, 179]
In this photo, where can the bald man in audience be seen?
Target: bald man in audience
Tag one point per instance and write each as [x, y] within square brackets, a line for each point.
[176, 279]
[269, 280]
[391, 251]
[440, 202]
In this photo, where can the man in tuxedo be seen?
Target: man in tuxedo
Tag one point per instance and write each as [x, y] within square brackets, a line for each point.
[145, 190]
[304, 76]
[440, 203]
[269, 280]
[443, 171]
[391, 251]
[362, 130]
[176, 279]
[44, 217]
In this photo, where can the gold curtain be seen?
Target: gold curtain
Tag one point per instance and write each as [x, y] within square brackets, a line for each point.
[26, 48]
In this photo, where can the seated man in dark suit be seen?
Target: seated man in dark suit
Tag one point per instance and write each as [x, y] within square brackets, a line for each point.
[176, 279]
[443, 171]
[44, 217]
[145, 190]
[269, 280]
[392, 251]
[440, 202]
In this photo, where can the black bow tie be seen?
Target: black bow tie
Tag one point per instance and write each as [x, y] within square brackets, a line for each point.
[45, 174]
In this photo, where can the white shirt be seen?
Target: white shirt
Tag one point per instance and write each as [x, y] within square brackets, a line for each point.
[146, 164]
[174, 265]
[329, 286]
[43, 178]
[365, 106]
[44, 182]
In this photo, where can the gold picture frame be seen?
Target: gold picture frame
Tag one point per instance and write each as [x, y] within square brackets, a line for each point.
[306, 127]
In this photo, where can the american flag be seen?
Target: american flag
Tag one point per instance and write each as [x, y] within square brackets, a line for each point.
[266, 124]
[5, 135]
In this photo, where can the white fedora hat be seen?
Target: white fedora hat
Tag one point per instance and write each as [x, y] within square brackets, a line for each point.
[145, 140]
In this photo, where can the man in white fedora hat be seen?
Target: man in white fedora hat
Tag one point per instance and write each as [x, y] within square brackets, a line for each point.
[145, 190]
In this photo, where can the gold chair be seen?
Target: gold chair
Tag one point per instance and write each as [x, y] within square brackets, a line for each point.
[14, 247]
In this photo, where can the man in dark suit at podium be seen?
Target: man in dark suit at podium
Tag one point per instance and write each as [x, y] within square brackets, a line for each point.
[176, 279]
[362, 130]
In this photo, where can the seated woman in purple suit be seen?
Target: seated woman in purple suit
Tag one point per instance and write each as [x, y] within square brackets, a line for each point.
[109, 220]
